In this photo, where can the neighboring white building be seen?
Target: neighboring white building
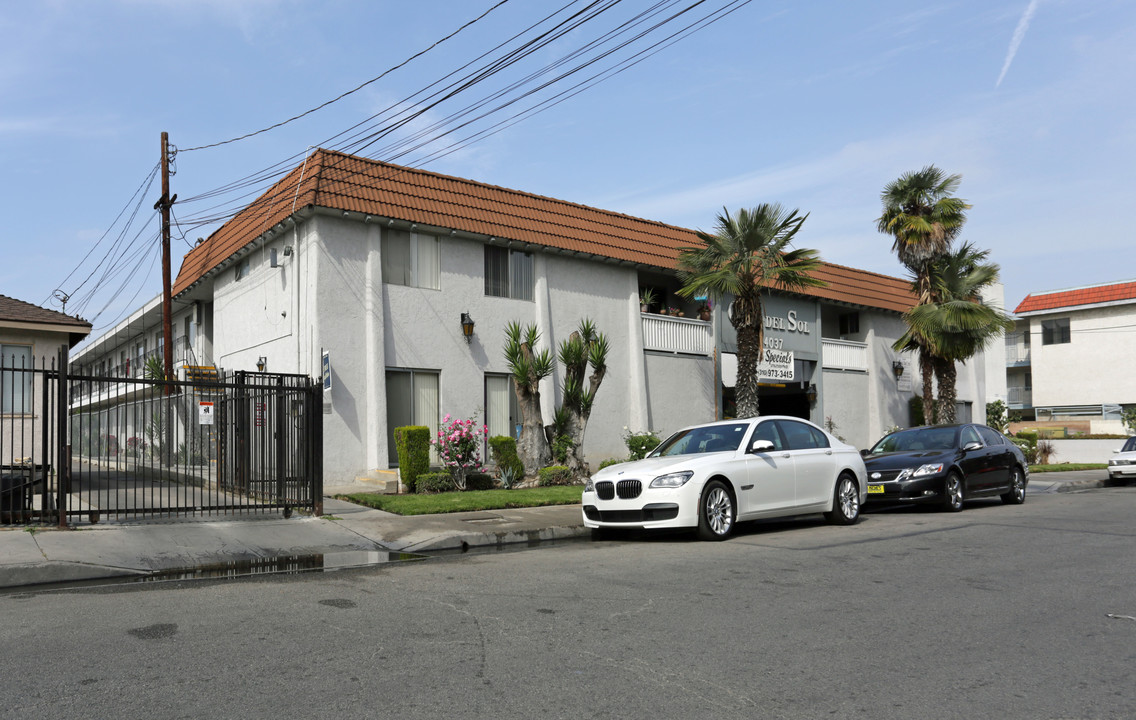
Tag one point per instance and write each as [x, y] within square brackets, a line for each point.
[1060, 335]
[376, 265]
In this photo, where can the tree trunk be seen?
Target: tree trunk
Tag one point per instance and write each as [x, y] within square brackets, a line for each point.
[749, 355]
[946, 376]
[532, 445]
[927, 369]
[578, 425]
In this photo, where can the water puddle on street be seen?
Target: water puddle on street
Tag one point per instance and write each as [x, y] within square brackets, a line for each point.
[234, 569]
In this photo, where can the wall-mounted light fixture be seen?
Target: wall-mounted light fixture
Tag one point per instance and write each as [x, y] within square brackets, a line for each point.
[811, 393]
[897, 368]
[467, 327]
[261, 363]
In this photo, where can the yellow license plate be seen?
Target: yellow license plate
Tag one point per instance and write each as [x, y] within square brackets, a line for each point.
[875, 489]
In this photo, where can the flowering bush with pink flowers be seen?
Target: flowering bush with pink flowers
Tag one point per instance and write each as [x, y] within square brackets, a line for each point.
[459, 447]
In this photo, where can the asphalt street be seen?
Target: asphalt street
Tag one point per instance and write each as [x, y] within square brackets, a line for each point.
[998, 611]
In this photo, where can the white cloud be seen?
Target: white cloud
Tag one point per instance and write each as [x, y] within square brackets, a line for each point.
[1016, 40]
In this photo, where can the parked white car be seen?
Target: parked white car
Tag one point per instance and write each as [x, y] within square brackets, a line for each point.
[712, 476]
[1122, 465]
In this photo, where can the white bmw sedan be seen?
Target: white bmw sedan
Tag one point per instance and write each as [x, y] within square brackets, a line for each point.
[711, 476]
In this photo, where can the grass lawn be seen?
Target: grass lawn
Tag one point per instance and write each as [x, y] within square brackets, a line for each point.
[1061, 467]
[468, 501]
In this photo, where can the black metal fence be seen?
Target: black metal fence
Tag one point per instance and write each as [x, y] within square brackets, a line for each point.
[92, 447]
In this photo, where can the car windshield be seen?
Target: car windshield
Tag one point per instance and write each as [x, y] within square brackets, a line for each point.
[917, 439]
[704, 439]
[1130, 446]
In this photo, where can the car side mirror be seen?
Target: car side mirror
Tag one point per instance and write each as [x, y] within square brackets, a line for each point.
[972, 446]
[864, 452]
[761, 446]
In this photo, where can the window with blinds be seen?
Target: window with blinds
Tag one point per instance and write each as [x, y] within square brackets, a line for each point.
[508, 273]
[411, 259]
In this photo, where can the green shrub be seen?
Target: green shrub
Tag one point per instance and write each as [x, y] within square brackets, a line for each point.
[561, 446]
[555, 475]
[640, 443]
[1029, 436]
[479, 481]
[503, 450]
[434, 482]
[413, 445]
[609, 462]
[997, 416]
[915, 409]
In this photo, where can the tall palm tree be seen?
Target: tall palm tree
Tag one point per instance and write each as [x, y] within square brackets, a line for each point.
[747, 253]
[922, 214]
[957, 324]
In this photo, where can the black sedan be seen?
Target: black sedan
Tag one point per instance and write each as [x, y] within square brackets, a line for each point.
[945, 464]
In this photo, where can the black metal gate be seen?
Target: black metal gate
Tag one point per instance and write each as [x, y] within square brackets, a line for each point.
[121, 447]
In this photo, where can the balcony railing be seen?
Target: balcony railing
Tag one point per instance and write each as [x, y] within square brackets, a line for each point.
[1019, 396]
[677, 335]
[843, 355]
[1017, 354]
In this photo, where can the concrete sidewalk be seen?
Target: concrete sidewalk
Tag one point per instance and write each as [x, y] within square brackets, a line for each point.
[348, 534]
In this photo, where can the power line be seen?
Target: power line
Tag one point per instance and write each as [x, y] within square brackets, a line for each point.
[353, 90]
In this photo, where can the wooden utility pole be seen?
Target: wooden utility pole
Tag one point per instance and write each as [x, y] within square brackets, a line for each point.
[164, 205]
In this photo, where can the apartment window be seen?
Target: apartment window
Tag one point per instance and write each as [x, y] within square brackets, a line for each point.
[849, 324]
[508, 273]
[412, 399]
[15, 386]
[1055, 332]
[242, 269]
[410, 259]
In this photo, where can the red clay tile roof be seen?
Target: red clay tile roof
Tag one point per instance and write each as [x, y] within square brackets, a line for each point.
[15, 310]
[1079, 296]
[344, 182]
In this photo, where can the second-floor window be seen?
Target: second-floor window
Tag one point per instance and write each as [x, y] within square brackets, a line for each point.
[508, 273]
[1055, 332]
[411, 259]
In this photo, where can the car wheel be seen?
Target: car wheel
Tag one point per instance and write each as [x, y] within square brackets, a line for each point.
[1017, 493]
[953, 493]
[845, 502]
[716, 512]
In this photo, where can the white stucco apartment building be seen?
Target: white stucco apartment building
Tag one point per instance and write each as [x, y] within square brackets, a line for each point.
[375, 266]
[1061, 333]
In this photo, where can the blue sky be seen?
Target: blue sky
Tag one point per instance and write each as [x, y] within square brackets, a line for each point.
[815, 105]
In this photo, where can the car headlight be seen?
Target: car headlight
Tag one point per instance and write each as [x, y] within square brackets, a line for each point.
[672, 480]
[921, 471]
[589, 486]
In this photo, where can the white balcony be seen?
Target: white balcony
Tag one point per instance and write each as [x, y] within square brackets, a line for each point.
[1019, 397]
[677, 335]
[843, 355]
[1017, 354]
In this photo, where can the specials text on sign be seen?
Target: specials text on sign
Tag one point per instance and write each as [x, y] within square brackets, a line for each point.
[776, 365]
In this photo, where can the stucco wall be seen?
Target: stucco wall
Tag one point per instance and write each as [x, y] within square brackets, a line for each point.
[681, 391]
[1090, 369]
[368, 327]
[22, 432]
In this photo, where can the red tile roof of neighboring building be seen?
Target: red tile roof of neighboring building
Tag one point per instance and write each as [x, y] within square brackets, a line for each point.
[1057, 299]
[337, 181]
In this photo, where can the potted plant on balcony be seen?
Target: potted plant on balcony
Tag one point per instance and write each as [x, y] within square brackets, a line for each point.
[646, 299]
[704, 311]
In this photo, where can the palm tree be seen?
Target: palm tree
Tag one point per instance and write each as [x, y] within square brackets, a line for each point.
[921, 213]
[924, 217]
[746, 254]
[956, 325]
